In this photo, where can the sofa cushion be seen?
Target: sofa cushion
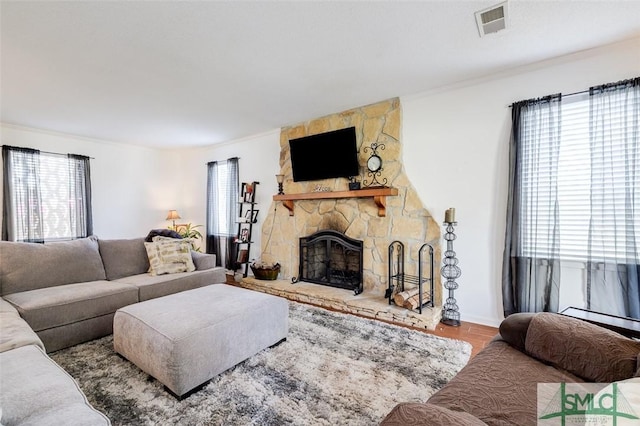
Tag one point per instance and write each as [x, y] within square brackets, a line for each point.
[36, 391]
[169, 256]
[203, 261]
[15, 332]
[122, 258]
[499, 386]
[58, 263]
[586, 350]
[55, 306]
[151, 286]
[416, 414]
[6, 307]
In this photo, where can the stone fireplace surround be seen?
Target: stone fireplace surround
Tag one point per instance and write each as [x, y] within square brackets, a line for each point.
[406, 220]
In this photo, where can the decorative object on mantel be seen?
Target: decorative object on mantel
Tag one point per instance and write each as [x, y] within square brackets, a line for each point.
[374, 166]
[409, 297]
[450, 271]
[173, 215]
[280, 180]
[265, 271]
[320, 188]
[354, 185]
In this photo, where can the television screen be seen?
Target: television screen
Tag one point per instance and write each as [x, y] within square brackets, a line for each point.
[324, 156]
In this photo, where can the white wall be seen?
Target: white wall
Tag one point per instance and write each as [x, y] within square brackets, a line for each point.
[132, 187]
[456, 155]
[258, 161]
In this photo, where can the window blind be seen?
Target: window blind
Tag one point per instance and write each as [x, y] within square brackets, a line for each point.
[581, 176]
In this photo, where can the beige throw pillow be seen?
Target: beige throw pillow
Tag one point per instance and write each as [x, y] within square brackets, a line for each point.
[169, 256]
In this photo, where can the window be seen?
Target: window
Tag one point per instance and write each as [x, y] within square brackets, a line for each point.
[47, 196]
[222, 210]
[582, 172]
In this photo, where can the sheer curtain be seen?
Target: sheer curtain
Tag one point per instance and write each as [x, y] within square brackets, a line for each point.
[613, 270]
[531, 261]
[22, 218]
[222, 211]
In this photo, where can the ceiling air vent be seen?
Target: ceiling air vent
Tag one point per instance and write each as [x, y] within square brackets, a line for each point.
[492, 20]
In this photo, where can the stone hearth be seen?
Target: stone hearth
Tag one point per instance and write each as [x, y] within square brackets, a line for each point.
[367, 305]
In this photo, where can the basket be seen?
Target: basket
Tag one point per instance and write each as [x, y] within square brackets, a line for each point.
[266, 273]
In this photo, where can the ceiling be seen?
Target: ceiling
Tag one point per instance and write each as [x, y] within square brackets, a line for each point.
[173, 74]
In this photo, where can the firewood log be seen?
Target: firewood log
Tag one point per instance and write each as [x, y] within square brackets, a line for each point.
[401, 297]
[414, 301]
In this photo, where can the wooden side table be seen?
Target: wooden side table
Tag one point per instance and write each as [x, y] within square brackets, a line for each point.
[629, 327]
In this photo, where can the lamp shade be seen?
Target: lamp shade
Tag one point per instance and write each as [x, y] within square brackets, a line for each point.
[173, 215]
[280, 178]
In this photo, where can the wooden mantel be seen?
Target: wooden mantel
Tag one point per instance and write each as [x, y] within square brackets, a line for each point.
[379, 195]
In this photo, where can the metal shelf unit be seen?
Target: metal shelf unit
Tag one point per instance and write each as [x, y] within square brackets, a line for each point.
[398, 278]
[247, 205]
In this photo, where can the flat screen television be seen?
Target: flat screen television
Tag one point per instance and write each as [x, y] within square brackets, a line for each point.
[324, 156]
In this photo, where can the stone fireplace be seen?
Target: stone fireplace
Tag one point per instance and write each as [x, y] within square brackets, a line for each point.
[404, 217]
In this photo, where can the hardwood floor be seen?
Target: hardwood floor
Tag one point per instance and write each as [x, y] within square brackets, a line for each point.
[476, 334]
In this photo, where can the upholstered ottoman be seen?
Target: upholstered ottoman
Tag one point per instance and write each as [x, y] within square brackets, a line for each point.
[187, 338]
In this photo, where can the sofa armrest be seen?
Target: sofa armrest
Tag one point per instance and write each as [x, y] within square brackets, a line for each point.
[513, 329]
[417, 414]
[203, 260]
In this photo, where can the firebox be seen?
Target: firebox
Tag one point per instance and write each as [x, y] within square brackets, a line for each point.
[331, 258]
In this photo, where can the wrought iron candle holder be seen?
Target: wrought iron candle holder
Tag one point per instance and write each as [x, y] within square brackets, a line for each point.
[450, 271]
[280, 180]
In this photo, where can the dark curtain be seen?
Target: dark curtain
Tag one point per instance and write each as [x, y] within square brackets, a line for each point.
[531, 264]
[222, 211]
[22, 218]
[80, 211]
[613, 271]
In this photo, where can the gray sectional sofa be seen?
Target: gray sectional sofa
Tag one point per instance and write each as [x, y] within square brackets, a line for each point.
[61, 294]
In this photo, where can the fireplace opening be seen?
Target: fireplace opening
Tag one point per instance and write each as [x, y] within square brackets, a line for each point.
[331, 258]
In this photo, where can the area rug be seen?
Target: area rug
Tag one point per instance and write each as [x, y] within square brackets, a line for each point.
[333, 369]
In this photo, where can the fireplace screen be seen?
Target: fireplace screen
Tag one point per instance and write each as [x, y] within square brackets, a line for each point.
[333, 259]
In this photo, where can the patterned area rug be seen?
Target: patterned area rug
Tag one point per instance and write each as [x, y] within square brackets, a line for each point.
[333, 369]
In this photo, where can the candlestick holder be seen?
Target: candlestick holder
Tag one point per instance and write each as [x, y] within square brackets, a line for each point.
[450, 271]
[280, 180]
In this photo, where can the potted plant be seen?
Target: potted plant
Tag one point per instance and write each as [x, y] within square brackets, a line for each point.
[189, 232]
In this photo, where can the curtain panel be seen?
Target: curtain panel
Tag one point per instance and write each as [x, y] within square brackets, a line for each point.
[222, 211]
[613, 271]
[80, 210]
[530, 276]
[22, 218]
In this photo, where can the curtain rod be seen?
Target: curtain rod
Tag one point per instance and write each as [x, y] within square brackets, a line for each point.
[217, 161]
[628, 81]
[50, 152]
[582, 92]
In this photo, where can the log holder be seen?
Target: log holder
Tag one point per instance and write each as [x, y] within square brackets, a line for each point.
[399, 281]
